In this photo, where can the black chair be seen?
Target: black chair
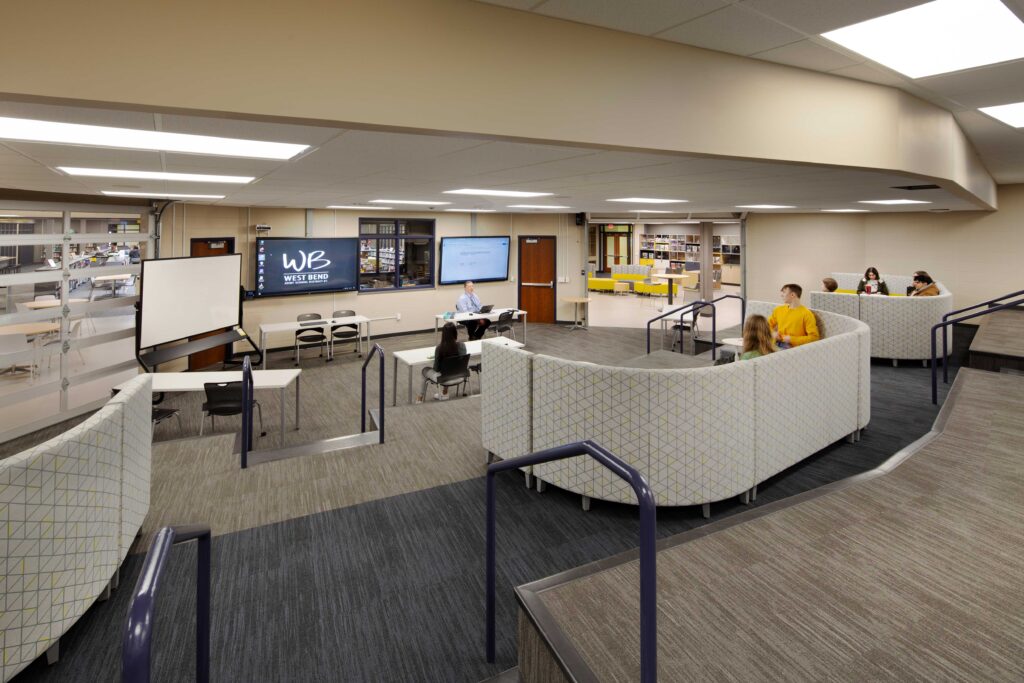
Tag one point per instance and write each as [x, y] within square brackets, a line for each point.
[309, 336]
[690, 321]
[161, 414]
[478, 368]
[504, 324]
[454, 372]
[345, 333]
[225, 399]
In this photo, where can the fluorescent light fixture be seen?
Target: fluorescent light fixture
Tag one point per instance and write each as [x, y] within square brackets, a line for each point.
[893, 202]
[846, 211]
[648, 200]
[363, 208]
[473, 210]
[156, 175]
[537, 206]
[417, 202]
[764, 206]
[30, 130]
[647, 211]
[162, 195]
[725, 222]
[937, 37]
[499, 193]
[1010, 114]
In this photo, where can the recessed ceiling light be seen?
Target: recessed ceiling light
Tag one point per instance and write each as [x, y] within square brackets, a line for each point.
[1010, 114]
[648, 200]
[156, 175]
[537, 206]
[499, 193]
[473, 210]
[162, 195]
[937, 37]
[725, 222]
[764, 206]
[647, 211]
[846, 211]
[417, 202]
[30, 130]
[893, 202]
[364, 208]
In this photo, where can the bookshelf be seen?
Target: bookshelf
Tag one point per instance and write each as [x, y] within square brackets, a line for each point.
[682, 251]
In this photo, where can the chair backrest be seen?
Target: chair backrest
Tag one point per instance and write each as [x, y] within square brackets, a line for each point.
[12, 343]
[505, 317]
[343, 314]
[224, 396]
[311, 332]
[348, 326]
[303, 317]
[46, 297]
[454, 367]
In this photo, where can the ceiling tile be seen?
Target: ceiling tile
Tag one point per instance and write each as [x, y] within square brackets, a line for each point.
[644, 17]
[818, 16]
[514, 4]
[808, 55]
[732, 29]
[981, 87]
[871, 73]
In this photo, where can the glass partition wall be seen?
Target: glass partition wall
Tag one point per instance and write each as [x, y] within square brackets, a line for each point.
[68, 288]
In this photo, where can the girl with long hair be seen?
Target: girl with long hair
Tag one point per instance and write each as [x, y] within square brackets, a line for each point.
[757, 338]
[449, 346]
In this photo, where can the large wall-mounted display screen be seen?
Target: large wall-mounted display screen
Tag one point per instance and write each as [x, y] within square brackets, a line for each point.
[314, 265]
[480, 259]
[182, 297]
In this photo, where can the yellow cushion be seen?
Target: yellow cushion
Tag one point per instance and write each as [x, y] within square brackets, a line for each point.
[845, 291]
[646, 262]
[600, 283]
[655, 289]
[628, 276]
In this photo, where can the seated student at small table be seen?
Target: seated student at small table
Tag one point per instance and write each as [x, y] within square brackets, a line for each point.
[470, 303]
[449, 346]
[829, 284]
[792, 323]
[757, 338]
[923, 285]
[872, 283]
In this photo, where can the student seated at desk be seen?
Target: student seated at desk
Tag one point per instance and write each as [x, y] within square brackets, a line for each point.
[470, 303]
[449, 346]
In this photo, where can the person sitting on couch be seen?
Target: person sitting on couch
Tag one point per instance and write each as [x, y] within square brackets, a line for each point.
[872, 283]
[923, 285]
[830, 284]
[757, 338]
[792, 323]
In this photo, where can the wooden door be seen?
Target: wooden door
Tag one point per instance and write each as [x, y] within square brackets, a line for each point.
[537, 280]
[219, 246]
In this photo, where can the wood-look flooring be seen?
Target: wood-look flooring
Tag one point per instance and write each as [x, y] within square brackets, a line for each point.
[911, 575]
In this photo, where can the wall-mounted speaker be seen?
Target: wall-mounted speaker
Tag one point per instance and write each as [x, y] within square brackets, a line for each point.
[581, 218]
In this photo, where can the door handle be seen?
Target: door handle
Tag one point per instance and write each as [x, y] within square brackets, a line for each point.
[538, 284]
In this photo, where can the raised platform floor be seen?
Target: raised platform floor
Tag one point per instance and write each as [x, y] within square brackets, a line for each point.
[999, 342]
[908, 571]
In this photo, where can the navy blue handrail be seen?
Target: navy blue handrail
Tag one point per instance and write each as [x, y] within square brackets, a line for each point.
[945, 336]
[648, 558]
[946, 323]
[247, 404]
[680, 310]
[377, 349]
[699, 305]
[137, 643]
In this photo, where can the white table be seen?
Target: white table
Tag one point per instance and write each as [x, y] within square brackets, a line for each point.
[361, 321]
[173, 382]
[493, 315]
[424, 355]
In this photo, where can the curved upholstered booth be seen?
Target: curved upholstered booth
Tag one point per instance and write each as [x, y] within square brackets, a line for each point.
[900, 325]
[698, 435]
[70, 509]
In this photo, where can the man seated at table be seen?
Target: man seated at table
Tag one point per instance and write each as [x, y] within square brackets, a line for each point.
[470, 303]
[793, 323]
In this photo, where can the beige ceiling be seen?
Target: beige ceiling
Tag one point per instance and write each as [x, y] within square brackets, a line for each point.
[788, 32]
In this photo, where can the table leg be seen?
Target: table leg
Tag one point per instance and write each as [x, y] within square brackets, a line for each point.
[297, 403]
[410, 383]
[436, 328]
[281, 444]
[670, 294]
[263, 348]
[394, 383]
[524, 328]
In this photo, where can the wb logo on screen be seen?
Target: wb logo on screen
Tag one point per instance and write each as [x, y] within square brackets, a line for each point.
[314, 260]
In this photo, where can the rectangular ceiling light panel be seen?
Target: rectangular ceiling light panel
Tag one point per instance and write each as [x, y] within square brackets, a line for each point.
[937, 37]
[156, 175]
[30, 130]
[648, 200]
[162, 195]
[498, 193]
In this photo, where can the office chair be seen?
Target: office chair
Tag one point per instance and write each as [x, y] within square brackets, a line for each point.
[309, 336]
[504, 324]
[454, 372]
[345, 333]
[224, 399]
[162, 414]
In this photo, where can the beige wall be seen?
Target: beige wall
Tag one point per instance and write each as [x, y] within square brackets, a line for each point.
[977, 255]
[181, 223]
[468, 67]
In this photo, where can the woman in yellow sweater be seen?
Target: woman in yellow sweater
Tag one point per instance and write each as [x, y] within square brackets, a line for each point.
[793, 323]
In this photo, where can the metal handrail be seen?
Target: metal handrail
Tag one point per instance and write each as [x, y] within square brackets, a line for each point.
[648, 558]
[946, 323]
[248, 391]
[377, 349]
[945, 336]
[699, 305]
[680, 310]
[136, 645]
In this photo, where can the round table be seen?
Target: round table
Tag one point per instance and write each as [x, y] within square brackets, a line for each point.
[51, 303]
[578, 301]
[672, 277]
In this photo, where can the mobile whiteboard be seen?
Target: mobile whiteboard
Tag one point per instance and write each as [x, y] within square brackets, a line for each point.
[182, 297]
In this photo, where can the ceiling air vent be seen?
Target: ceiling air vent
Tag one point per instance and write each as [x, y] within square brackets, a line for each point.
[912, 188]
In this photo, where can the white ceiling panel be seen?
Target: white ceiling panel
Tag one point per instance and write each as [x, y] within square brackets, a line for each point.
[247, 130]
[515, 4]
[732, 29]
[818, 16]
[645, 17]
[996, 84]
[872, 73]
[807, 54]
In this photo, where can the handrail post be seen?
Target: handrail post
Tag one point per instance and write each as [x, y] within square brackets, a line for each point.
[246, 411]
[376, 350]
[380, 399]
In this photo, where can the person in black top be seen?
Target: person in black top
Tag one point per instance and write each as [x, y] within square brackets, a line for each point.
[449, 346]
[872, 283]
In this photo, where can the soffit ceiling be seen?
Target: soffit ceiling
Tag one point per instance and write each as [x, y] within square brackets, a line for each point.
[788, 32]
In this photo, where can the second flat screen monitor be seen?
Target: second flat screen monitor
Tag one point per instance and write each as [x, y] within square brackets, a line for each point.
[287, 265]
[481, 259]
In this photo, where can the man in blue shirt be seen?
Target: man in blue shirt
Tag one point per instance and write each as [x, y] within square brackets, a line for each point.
[470, 303]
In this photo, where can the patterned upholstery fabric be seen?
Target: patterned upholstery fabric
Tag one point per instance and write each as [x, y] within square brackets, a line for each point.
[642, 271]
[843, 304]
[506, 401]
[65, 523]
